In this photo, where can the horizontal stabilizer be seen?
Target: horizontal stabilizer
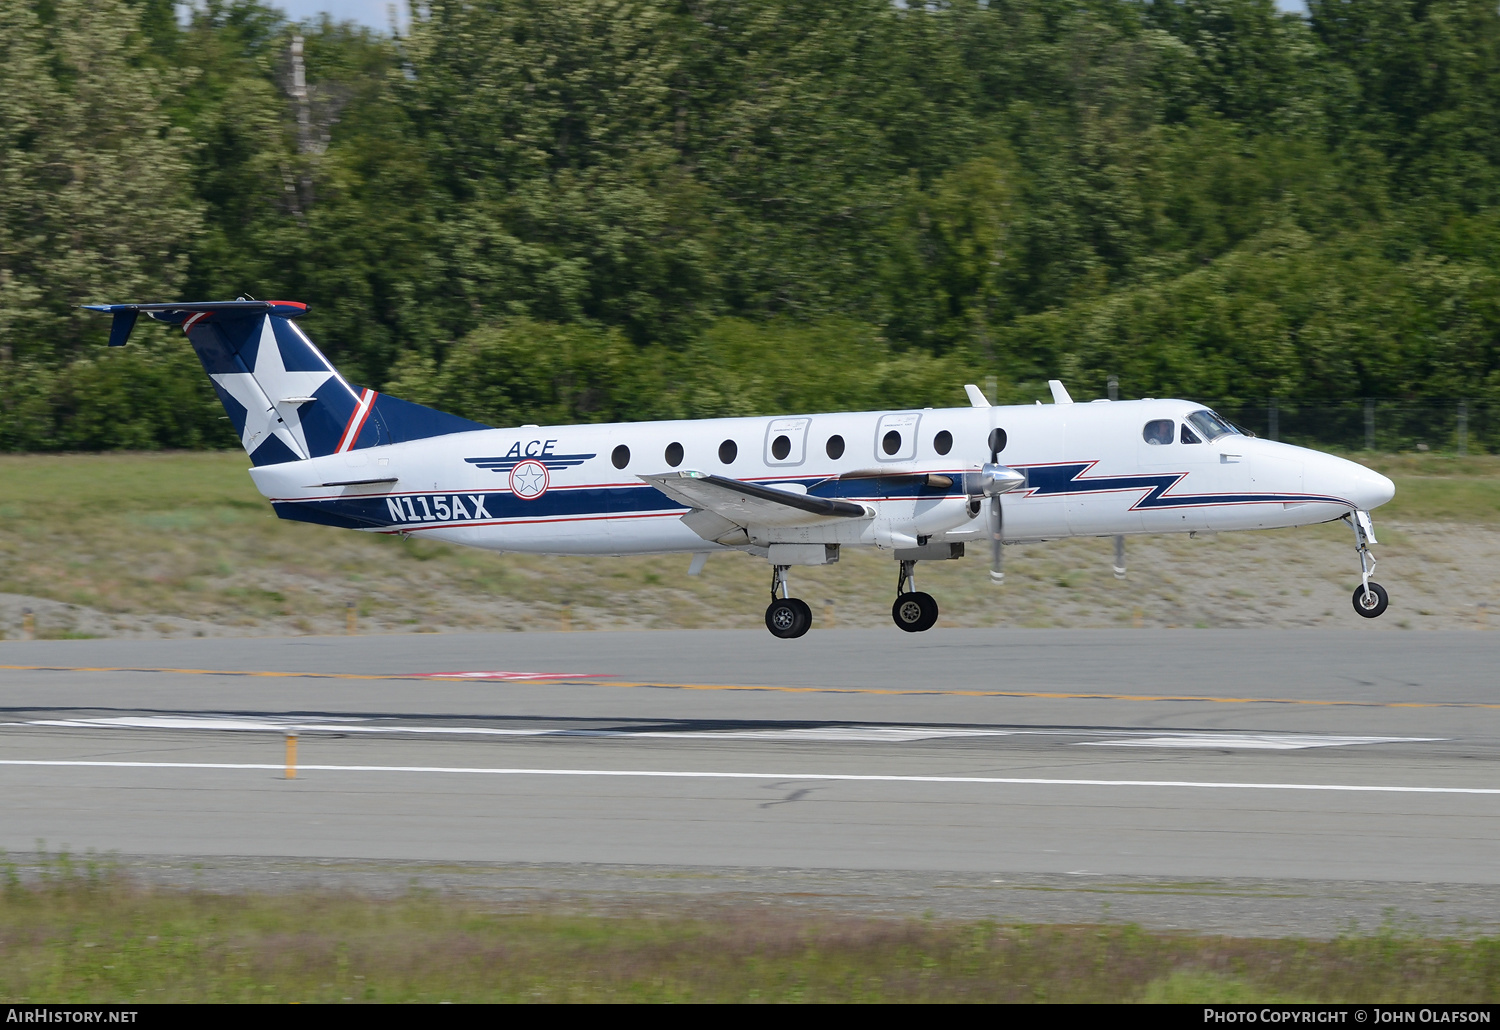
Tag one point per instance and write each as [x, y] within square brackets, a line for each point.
[176, 312]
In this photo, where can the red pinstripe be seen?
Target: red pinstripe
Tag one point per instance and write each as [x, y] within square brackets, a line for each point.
[357, 419]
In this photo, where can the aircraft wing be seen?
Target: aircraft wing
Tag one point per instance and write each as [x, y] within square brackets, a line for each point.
[745, 504]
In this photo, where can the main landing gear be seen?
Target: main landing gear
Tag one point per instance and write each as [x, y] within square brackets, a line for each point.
[786, 617]
[1370, 599]
[913, 610]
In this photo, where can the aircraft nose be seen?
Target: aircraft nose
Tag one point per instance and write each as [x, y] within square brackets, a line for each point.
[1371, 489]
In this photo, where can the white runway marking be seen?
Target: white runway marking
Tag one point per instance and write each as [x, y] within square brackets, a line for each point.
[854, 734]
[825, 734]
[674, 774]
[1252, 741]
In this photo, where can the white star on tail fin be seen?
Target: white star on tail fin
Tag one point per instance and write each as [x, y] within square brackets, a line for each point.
[272, 396]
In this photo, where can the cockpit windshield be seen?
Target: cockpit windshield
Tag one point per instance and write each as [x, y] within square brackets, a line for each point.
[1211, 426]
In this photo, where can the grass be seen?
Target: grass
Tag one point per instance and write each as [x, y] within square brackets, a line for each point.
[83, 934]
[1440, 487]
[185, 535]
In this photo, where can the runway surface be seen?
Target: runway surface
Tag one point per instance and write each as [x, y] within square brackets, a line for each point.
[1017, 763]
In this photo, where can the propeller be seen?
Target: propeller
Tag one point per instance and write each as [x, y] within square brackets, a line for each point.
[997, 514]
[993, 480]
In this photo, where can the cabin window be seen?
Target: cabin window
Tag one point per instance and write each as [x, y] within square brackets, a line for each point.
[896, 436]
[674, 454]
[1187, 435]
[943, 442]
[1158, 431]
[835, 447]
[621, 456]
[1210, 425]
[728, 451]
[997, 440]
[781, 447]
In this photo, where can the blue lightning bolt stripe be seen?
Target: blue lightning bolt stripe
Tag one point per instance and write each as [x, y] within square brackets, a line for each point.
[1068, 478]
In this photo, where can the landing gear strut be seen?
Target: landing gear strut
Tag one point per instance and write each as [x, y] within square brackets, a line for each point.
[913, 610]
[1370, 599]
[786, 617]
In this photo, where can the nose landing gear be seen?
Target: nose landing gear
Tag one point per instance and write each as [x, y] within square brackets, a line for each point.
[786, 617]
[913, 610]
[1370, 599]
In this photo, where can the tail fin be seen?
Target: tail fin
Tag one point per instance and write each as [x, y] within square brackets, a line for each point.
[282, 395]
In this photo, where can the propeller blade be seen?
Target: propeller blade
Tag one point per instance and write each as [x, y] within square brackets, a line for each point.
[997, 517]
[997, 526]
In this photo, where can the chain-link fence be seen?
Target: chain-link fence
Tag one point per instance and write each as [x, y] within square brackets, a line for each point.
[1373, 423]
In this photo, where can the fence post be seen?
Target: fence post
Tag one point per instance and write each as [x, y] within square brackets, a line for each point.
[1273, 421]
[1463, 428]
[1369, 423]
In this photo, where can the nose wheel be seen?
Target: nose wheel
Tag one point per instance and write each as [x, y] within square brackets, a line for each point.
[786, 617]
[1372, 601]
[913, 611]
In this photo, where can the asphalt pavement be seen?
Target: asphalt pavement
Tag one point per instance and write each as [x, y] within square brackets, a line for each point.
[1242, 781]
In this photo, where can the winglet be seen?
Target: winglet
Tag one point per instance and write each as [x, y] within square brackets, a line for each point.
[120, 327]
[1059, 392]
[976, 397]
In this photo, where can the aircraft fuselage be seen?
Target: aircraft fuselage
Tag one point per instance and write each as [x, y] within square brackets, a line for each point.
[1090, 471]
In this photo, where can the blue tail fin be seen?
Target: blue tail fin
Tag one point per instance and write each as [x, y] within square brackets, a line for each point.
[285, 399]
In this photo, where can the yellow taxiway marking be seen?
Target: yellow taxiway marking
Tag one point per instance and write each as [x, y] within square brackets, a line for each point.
[1051, 695]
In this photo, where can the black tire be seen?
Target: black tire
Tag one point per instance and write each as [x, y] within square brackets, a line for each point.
[788, 618]
[806, 615]
[1371, 611]
[914, 612]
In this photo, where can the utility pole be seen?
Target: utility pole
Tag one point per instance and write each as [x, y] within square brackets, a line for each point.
[304, 123]
[1273, 420]
[1114, 387]
[1463, 428]
[1369, 423]
[299, 94]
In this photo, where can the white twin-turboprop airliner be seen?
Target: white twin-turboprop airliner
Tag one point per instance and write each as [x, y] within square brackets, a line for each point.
[920, 484]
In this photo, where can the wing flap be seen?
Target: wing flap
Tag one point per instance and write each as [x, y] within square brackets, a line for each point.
[745, 504]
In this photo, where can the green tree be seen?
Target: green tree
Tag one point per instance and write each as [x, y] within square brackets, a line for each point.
[94, 194]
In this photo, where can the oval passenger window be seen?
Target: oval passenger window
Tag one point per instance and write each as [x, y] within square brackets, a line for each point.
[781, 447]
[727, 451]
[943, 442]
[835, 447]
[674, 454]
[997, 440]
[621, 456]
[1158, 431]
[892, 442]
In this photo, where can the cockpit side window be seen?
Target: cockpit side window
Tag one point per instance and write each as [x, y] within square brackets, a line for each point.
[1210, 425]
[1188, 436]
[1158, 431]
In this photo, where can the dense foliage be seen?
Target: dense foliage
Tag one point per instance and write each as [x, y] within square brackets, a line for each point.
[526, 210]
